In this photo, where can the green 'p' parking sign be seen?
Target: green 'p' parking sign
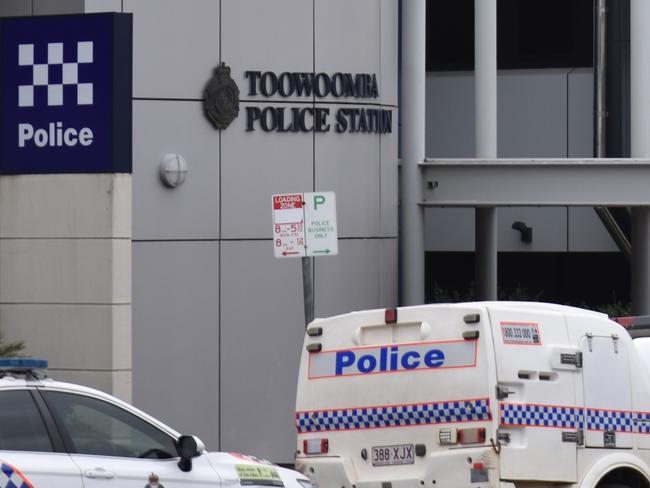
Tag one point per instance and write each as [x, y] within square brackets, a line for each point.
[321, 238]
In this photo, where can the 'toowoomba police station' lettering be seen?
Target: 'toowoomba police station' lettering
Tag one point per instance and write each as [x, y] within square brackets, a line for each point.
[315, 119]
[392, 359]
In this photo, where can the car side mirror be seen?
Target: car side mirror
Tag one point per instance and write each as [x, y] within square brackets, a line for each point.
[188, 447]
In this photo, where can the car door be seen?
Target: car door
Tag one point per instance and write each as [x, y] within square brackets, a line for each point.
[113, 447]
[31, 452]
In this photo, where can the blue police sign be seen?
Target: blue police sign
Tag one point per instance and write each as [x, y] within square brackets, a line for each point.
[65, 93]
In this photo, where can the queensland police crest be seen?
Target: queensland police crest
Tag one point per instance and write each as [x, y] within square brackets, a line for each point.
[221, 98]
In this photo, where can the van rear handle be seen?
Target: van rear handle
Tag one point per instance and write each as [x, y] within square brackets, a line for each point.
[503, 392]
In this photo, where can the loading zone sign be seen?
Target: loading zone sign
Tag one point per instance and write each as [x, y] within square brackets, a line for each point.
[304, 224]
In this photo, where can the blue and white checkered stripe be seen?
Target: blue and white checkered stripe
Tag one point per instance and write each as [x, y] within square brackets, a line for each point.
[532, 415]
[393, 416]
[616, 420]
[642, 422]
[10, 477]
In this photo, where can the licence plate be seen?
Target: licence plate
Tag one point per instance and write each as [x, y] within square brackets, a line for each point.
[392, 455]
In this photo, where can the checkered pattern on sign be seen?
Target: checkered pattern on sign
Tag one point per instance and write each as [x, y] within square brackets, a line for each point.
[12, 478]
[393, 416]
[53, 76]
[617, 421]
[531, 415]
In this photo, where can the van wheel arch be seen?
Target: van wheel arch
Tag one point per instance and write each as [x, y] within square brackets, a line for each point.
[623, 477]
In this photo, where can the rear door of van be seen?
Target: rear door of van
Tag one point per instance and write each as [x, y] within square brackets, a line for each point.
[385, 393]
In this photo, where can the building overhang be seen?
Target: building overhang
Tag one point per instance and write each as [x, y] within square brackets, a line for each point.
[535, 182]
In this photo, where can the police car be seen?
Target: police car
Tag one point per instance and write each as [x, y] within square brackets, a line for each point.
[56, 435]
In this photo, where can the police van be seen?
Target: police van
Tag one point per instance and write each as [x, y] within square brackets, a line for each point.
[491, 394]
[62, 435]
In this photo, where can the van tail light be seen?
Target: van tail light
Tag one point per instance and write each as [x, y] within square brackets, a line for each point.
[390, 315]
[315, 446]
[471, 436]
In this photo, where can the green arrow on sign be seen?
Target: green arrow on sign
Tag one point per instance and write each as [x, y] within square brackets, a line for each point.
[323, 251]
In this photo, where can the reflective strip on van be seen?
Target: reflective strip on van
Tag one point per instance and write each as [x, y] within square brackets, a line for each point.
[534, 415]
[387, 416]
[570, 417]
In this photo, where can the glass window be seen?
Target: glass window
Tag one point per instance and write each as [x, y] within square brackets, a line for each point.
[21, 425]
[96, 427]
[554, 33]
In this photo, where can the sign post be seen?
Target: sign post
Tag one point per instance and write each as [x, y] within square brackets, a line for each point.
[304, 225]
[308, 288]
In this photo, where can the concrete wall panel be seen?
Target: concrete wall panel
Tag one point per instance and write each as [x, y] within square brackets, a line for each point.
[284, 35]
[452, 229]
[176, 334]
[555, 229]
[449, 229]
[190, 211]
[355, 48]
[262, 332]
[254, 166]
[587, 233]
[93, 6]
[83, 206]
[388, 273]
[57, 7]
[388, 188]
[581, 107]
[388, 50]
[549, 229]
[75, 271]
[11, 8]
[449, 115]
[164, 33]
[348, 164]
[349, 281]
[71, 337]
[532, 114]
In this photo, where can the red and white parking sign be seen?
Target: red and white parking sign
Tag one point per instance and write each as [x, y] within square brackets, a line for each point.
[288, 226]
[304, 224]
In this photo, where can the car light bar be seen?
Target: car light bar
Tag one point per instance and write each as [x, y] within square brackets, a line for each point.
[22, 364]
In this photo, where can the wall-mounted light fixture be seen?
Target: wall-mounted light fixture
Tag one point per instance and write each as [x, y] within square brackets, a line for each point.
[173, 170]
[526, 232]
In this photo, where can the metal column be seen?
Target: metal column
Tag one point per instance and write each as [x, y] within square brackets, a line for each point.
[485, 66]
[640, 260]
[412, 133]
[640, 127]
